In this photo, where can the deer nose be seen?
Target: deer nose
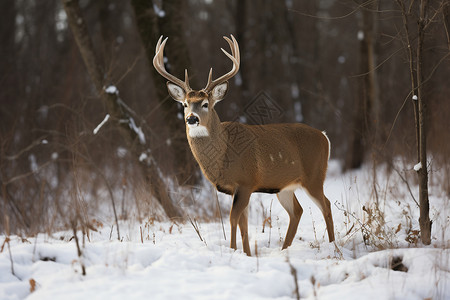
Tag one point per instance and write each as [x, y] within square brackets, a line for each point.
[191, 120]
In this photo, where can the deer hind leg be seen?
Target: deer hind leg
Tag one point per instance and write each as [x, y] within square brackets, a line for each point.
[243, 227]
[317, 195]
[290, 203]
[238, 215]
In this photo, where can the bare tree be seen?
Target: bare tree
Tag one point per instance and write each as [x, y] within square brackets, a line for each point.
[417, 65]
[366, 118]
[167, 20]
[118, 109]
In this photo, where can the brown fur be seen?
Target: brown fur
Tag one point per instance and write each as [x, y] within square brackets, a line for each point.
[241, 159]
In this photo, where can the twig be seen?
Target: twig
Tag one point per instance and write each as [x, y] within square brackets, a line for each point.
[363, 226]
[26, 149]
[270, 217]
[294, 275]
[257, 257]
[332, 18]
[110, 233]
[103, 176]
[21, 176]
[314, 227]
[196, 228]
[10, 256]
[406, 182]
[124, 187]
[7, 239]
[221, 219]
[80, 254]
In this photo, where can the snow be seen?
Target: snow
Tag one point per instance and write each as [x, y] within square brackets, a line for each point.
[238, 79]
[360, 35]
[171, 262]
[96, 129]
[158, 11]
[137, 130]
[143, 156]
[295, 92]
[414, 97]
[298, 111]
[121, 152]
[418, 166]
[33, 163]
[111, 90]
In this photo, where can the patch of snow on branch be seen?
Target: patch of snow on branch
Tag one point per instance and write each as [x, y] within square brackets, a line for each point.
[360, 35]
[158, 11]
[143, 156]
[414, 97]
[137, 130]
[295, 92]
[111, 90]
[95, 131]
[238, 79]
[121, 152]
[55, 155]
[33, 163]
[418, 167]
[298, 111]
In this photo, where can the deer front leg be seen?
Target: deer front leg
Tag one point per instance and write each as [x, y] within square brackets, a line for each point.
[240, 201]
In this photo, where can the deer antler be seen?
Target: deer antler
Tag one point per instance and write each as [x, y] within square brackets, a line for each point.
[235, 58]
[158, 63]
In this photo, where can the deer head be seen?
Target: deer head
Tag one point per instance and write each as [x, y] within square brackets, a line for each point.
[198, 104]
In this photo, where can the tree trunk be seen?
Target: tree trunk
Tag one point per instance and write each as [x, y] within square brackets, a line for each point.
[417, 88]
[116, 108]
[241, 28]
[367, 114]
[424, 219]
[169, 22]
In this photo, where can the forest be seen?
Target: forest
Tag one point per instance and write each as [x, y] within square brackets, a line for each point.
[346, 67]
[93, 148]
[349, 68]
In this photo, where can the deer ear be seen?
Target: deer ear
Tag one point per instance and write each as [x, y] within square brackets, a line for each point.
[219, 92]
[176, 92]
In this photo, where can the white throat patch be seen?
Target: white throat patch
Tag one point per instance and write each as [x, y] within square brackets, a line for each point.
[198, 131]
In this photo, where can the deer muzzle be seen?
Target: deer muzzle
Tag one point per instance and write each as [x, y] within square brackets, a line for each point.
[192, 120]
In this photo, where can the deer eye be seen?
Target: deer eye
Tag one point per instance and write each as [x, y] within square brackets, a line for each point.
[184, 104]
[205, 105]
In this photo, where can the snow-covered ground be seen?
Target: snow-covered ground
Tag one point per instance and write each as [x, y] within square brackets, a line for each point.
[171, 262]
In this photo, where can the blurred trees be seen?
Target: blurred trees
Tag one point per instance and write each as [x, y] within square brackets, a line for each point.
[153, 21]
[305, 55]
[125, 119]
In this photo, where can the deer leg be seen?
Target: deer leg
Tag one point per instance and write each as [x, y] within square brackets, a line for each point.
[243, 227]
[290, 203]
[240, 201]
[323, 203]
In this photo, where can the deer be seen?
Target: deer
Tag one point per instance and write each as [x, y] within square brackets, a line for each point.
[241, 159]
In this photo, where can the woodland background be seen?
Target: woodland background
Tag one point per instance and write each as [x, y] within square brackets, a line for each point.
[339, 66]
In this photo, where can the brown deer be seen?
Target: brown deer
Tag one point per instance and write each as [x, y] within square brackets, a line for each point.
[241, 159]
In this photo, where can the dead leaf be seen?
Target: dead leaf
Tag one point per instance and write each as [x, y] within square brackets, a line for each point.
[32, 285]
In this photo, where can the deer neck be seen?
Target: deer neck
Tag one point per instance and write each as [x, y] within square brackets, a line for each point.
[209, 148]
